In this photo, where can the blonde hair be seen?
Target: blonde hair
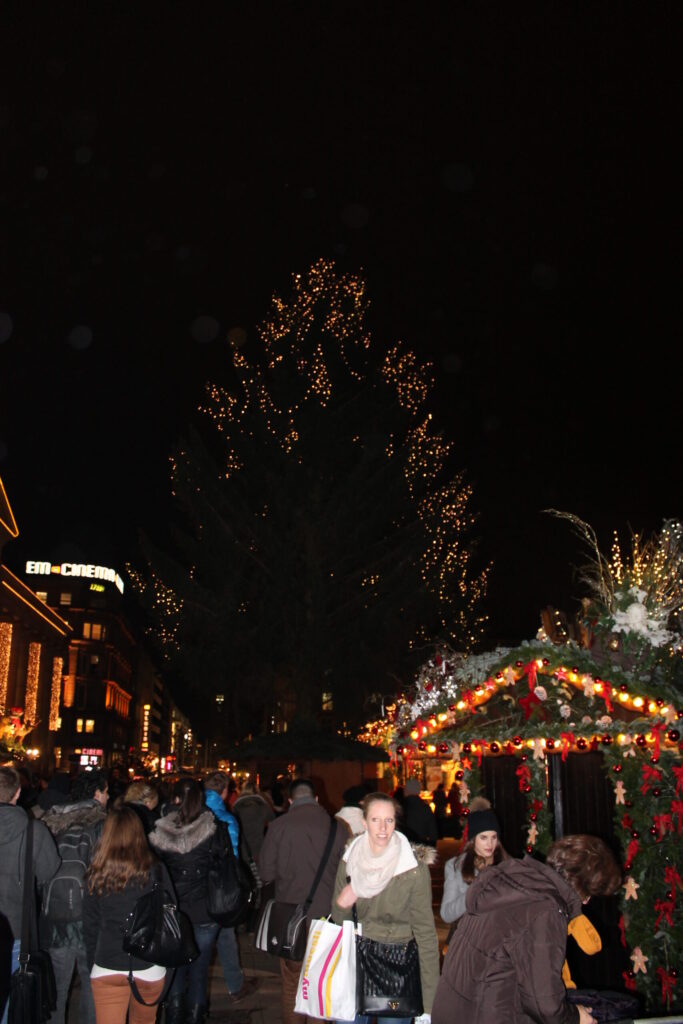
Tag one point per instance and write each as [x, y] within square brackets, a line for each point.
[141, 793]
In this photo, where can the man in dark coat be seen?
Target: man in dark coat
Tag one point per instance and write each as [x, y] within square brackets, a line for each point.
[290, 856]
[13, 826]
[505, 961]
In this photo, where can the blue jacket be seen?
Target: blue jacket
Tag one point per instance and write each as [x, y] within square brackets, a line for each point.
[213, 801]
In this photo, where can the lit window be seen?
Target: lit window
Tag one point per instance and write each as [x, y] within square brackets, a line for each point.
[97, 631]
[90, 725]
[42, 595]
[65, 598]
[328, 702]
[79, 725]
[86, 630]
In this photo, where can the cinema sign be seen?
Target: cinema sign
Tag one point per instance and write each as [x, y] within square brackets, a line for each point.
[93, 572]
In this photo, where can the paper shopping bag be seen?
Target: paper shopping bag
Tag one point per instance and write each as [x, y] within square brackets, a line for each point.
[327, 983]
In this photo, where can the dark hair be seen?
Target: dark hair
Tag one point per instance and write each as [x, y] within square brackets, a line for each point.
[122, 855]
[587, 863]
[85, 784]
[301, 787]
[471, 863]
[191, 798]
[217, 781]
[9, 783]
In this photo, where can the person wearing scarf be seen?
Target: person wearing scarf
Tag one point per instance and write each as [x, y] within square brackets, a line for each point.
[388, 880]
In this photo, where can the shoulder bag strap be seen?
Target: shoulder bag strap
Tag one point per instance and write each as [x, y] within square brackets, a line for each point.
[27, 896]
[321, 867]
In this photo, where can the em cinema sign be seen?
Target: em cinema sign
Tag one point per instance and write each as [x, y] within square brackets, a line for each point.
[93, 572]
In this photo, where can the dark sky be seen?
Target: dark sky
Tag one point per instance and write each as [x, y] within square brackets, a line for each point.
[506, 179]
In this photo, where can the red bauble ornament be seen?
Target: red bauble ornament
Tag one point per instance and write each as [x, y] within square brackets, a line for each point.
[443, 748]
[429, 687]
[465, 811]
[656, 792]
[670, 894]
[546, 661]
[533, 817]
[616, 768]
[527, 789]
[653, 831]
[654, 760]
[628, 803]
[623, 688]
[524, 757]
[459, 775]
[519, 664]
[640, 740]
[635, 835]
[451, 707]
[494, 747]
[550, 744]
[673, 735]
[517, 740]
[422, 745]
[581, 743]
[607, 739]
[529, 849]
[673, 972]
[467, 748]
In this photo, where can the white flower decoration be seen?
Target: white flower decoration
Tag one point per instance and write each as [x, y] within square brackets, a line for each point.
[565, 710]
[541, 692]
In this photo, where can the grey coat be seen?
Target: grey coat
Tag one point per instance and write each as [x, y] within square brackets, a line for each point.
[46, 860]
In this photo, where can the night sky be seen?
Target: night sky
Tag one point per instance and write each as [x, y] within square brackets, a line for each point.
[505, 178]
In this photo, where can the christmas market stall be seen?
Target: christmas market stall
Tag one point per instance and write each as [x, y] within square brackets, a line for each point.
[583, 734]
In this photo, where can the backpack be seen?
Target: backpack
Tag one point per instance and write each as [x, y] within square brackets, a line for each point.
[63, 894]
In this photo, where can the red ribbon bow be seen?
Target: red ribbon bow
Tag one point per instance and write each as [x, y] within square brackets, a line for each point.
[651, 776]
[524, 776]
[567, 740]
[606, 695]
[622, 931]
[527, 702]
[672, 878]
[626, 821]
[631, 851]
[677, 811]
[657, 733]
[667, 982]
[664, 908]
[663, 823]
[629, 982]
[530, 670]
[678, 772]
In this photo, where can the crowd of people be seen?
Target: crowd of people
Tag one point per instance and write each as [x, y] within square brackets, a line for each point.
[98, 845]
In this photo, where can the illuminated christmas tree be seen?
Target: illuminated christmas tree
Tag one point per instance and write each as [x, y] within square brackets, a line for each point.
[325, 536]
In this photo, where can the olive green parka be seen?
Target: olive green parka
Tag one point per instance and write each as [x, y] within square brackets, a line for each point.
[402, 910]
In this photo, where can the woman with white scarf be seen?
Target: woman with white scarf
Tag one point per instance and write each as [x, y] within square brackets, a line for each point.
[388, 880]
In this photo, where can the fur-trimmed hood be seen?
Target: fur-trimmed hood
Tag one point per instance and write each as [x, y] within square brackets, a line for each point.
[85, 813]
[424, 854]
[170, 835]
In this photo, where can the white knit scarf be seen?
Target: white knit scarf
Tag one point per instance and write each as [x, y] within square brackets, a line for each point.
[371, 873]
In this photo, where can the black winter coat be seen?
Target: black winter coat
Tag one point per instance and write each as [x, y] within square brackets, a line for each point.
[104, 924]
[186, 852]
[46, 860]
[505, 962]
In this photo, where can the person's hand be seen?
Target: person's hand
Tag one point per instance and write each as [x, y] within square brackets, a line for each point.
[346, 897]
[585, 1015]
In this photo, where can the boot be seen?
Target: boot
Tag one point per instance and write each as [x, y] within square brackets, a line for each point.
[195, 1015]
[175, 1010]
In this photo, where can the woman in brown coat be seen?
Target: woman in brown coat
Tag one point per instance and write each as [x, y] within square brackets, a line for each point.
[505, 961]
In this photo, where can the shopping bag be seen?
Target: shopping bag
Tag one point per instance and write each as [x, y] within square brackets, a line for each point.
[327, 983]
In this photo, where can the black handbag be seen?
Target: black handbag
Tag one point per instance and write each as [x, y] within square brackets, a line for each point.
[387, 977]
[159, 933]
[282, 928]
[33, 992]
[250, 919]
[230, 888]
[606, 1006]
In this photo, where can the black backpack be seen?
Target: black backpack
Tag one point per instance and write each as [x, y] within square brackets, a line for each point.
[63, 894]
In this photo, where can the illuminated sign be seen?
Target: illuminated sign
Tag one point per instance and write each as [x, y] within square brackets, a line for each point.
[97, 572]
[145, 726]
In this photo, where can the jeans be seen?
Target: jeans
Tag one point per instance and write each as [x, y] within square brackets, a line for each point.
[228, 954]
[64, 960]
[15, 965]
[193, 978]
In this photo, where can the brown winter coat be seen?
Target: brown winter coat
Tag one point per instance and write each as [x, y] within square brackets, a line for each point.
[292, 850]
[505, 962]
